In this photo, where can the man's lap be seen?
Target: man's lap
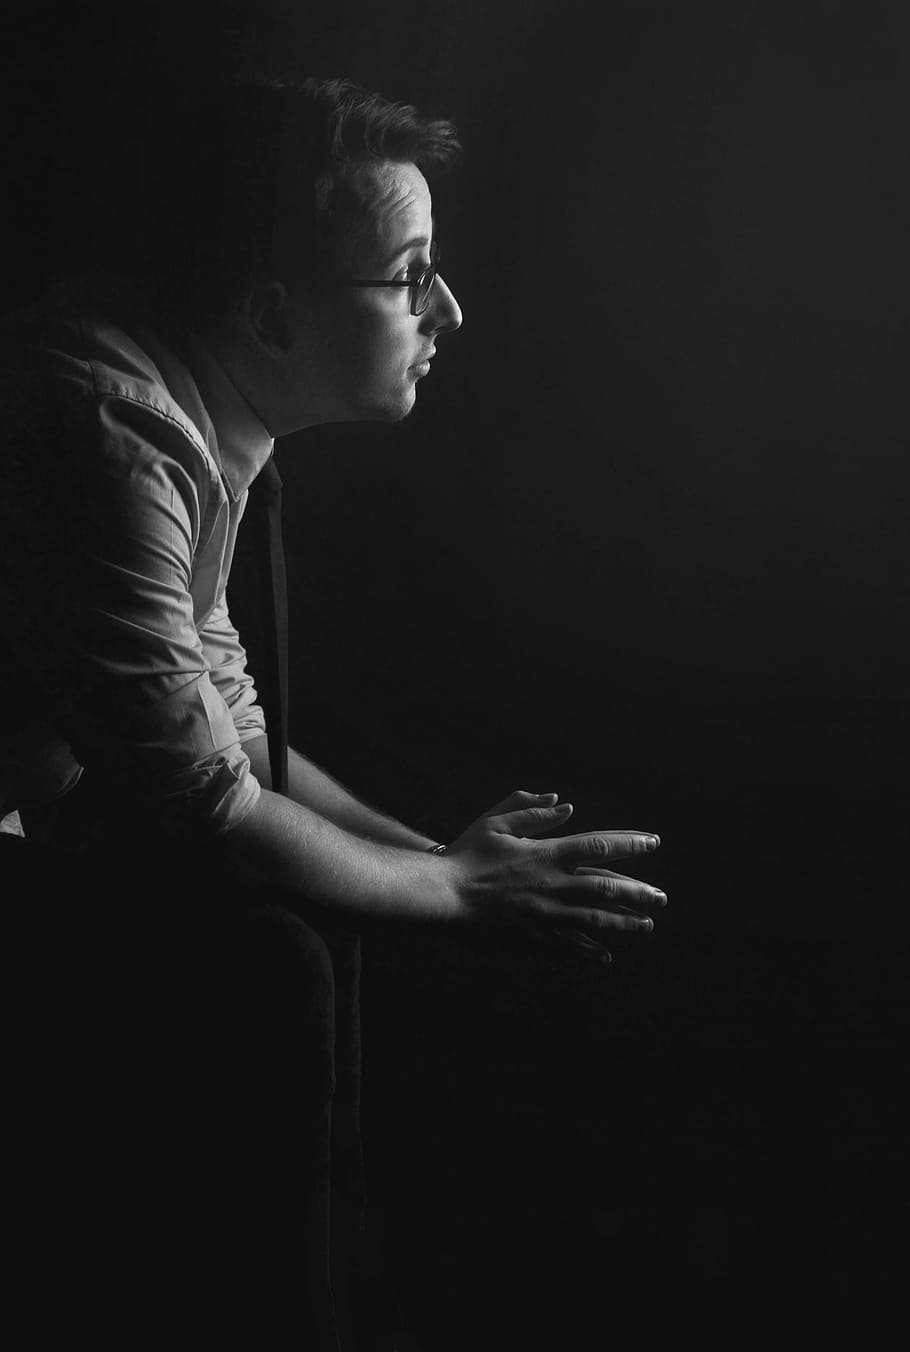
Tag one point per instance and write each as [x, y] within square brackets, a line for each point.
[172, 1070]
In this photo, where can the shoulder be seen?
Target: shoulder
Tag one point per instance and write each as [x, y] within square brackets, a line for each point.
[93, 376]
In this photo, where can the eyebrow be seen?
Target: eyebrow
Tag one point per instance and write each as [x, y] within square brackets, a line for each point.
[418, 242]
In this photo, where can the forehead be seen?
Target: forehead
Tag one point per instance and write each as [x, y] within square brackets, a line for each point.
[397, 207]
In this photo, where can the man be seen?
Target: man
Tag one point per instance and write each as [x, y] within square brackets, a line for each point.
[200, 935]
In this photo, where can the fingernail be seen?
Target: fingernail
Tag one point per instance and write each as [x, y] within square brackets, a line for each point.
[646, 924]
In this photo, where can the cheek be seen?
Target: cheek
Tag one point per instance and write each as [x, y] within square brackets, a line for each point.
[380, 345]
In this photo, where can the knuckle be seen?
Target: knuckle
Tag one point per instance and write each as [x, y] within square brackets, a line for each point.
[608, 887]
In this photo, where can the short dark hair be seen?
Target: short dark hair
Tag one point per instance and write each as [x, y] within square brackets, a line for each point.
[265, 184]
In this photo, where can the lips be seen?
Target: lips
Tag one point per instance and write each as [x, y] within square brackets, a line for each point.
[424, 361]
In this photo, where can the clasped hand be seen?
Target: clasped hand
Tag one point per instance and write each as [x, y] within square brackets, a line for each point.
[511, 869]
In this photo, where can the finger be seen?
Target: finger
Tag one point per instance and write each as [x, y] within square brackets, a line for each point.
[522, 798]
[591, 919]
[599, 887]
[576, 938]
[629, 891]
[533, 821]
[597, 847]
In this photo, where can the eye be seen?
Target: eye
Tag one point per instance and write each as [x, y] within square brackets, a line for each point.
[416, 268]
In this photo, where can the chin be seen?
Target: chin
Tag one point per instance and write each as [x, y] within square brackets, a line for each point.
[393, 409]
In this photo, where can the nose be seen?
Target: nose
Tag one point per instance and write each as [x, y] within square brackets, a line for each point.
[444, 309]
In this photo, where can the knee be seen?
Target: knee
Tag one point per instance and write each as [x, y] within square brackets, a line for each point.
[289, 960]
[290, 1004]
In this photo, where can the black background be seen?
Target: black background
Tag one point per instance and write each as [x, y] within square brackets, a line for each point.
[642, 541]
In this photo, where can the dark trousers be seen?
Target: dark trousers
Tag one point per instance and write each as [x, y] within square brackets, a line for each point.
[185, 1083]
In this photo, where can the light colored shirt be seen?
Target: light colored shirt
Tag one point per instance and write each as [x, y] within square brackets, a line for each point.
[124, 469]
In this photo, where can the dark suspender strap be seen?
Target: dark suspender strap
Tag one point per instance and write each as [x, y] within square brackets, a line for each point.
[264, 517]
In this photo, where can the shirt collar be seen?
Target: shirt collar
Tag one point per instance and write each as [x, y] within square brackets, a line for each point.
[236, 435]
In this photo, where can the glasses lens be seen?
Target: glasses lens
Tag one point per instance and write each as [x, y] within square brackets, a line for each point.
[422, 288]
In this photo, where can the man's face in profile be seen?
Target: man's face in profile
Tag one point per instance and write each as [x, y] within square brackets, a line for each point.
[360, 349]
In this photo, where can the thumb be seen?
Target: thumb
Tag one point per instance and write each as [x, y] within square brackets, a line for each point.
[522, 798]
[534, 821]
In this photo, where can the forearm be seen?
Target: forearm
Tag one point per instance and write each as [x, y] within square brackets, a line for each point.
[285, 844]
[313, 788]
[495, 871]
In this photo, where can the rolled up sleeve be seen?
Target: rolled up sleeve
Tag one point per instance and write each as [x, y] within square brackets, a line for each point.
[226, 660]
[158, 705]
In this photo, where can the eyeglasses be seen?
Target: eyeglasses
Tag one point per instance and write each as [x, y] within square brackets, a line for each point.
[421, 287]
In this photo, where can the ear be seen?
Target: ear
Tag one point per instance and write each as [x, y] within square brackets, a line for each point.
[267, 315]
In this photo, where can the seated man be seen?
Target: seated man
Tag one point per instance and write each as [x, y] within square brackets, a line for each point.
[189, 950]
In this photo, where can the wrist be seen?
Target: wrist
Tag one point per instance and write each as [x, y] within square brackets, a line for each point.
[455, 884]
